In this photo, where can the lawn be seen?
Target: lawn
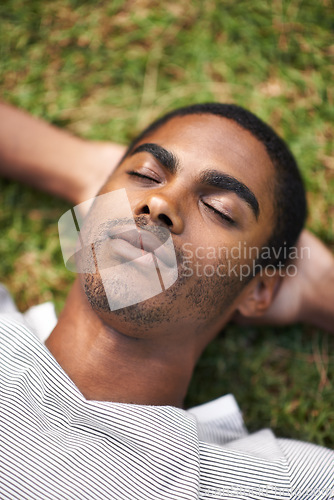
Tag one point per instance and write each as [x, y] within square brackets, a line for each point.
[103, 70]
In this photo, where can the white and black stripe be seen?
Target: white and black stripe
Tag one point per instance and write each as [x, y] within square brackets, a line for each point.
[54, 444]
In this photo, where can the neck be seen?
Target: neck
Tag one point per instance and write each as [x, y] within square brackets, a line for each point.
[108, 365]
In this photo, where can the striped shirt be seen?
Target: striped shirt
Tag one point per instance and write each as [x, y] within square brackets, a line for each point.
[55, 444]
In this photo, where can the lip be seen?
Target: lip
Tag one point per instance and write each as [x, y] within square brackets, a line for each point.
[139, 242]
[129, 252]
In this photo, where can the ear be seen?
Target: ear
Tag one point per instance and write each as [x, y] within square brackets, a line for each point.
[259, 294]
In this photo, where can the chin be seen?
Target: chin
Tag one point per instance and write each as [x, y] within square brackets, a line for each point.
[187, 303]
[141, 316]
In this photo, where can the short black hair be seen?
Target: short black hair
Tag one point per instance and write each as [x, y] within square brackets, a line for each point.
[290, 206]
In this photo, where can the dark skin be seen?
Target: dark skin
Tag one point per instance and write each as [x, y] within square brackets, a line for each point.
[113, 356]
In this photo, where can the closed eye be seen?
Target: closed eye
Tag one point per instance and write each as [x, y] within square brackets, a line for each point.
[222, 215]
[133, 173]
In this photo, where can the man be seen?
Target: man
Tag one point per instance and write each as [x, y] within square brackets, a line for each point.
[98, 413]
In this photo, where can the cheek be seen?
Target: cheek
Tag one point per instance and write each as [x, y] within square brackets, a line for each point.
[210, 250]
[112, 185]
[213, 287]
[219, 272]
[258, 238]
[134, 195]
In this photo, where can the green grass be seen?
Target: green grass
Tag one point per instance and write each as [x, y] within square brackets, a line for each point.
[103, 70]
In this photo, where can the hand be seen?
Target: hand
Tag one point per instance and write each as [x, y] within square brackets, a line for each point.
[102, 159]
[306, 293]
[51, 159]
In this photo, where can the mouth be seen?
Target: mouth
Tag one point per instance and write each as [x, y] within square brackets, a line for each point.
[139, 242]
[143, 239]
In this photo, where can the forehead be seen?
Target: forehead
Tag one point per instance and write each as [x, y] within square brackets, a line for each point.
[207, 141]
[212, 138]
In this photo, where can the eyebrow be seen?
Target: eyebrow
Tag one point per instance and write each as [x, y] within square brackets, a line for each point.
[212, 178]
[228, 183]
[166, 158]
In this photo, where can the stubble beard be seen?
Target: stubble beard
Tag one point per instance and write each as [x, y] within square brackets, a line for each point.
[206, 299]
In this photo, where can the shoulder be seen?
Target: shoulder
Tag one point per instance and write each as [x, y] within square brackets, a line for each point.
[311, 469]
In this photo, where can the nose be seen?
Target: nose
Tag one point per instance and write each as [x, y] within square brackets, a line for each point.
[162, 210]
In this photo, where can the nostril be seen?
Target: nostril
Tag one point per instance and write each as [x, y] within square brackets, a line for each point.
[145, 210]
[164, 218]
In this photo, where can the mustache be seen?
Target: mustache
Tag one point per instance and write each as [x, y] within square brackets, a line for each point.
[111, 228]
[97, 235]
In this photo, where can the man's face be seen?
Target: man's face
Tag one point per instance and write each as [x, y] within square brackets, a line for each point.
[210, 183]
